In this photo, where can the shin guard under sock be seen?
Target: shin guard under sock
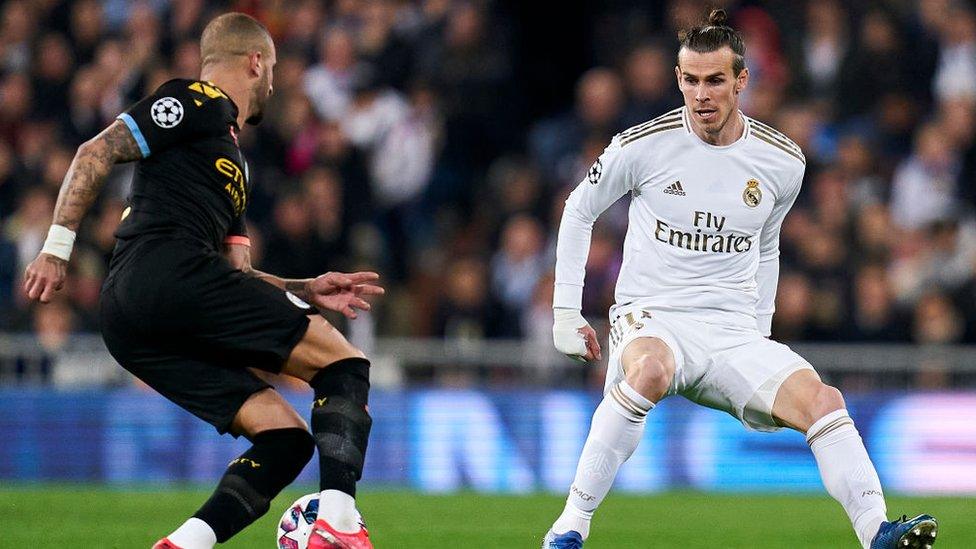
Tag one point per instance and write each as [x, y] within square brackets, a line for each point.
[341, 422]
[255, 478]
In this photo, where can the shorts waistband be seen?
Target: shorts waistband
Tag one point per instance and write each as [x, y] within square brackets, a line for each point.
[625, 321]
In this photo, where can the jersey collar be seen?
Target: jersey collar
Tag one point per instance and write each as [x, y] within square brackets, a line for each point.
[233, 105]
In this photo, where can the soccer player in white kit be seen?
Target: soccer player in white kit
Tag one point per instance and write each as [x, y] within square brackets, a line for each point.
[694, 299]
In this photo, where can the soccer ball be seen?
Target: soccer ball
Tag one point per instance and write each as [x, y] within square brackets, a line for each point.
[296, 524]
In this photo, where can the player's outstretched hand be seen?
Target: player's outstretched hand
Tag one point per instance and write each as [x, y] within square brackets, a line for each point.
[44, 276]
[344, 292]
[573, 336]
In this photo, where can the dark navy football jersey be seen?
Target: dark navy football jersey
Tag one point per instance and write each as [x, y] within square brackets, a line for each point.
[192, 181]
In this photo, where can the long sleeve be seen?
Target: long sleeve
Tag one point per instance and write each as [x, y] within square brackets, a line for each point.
[608, 180]
[767, 275]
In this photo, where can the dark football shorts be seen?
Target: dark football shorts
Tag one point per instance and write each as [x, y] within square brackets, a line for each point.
[183, 320]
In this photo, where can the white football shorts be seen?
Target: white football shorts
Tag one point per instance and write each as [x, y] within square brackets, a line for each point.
[728, 368]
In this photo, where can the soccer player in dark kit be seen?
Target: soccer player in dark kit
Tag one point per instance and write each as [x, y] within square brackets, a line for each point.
[183, 310]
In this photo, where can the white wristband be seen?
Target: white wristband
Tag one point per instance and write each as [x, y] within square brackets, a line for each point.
[565, 331]
[60, 241]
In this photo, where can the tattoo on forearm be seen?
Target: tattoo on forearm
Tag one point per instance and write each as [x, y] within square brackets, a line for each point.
[91, 164]
[119, 143]
[297, 287]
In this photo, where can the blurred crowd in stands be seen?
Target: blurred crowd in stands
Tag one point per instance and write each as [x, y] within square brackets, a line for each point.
[436, 140]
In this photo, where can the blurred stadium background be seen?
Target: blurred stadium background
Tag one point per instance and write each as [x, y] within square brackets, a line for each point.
[435, 141]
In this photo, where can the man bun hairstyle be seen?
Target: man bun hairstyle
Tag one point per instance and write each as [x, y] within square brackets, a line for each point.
[714, 35]
[718, 17]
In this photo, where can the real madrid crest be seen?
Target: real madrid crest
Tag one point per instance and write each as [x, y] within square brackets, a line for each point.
[752, 195]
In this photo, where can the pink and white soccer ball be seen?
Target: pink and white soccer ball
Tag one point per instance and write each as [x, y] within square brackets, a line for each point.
[296, 524]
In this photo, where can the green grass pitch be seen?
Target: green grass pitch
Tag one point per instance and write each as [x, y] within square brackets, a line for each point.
[96, 517]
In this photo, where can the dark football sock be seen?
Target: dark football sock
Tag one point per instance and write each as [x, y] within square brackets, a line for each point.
[341, 422]
[255, 478]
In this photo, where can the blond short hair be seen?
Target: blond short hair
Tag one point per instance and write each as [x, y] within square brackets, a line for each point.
[233, 34]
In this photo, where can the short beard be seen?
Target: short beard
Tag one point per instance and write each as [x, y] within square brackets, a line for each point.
[257, 110]
[255, 118]
[258, 103]
[719, 127]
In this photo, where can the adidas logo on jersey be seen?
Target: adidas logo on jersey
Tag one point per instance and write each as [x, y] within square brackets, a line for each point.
[675, 188]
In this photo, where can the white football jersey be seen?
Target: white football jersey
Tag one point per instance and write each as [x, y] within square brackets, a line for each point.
[703, 233]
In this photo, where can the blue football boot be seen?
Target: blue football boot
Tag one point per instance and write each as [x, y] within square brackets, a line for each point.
[569, 540]
[916, 533]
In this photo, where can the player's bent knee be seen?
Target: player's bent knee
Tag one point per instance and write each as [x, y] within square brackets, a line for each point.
[265, 410]
[321, 345]
[822, 400]
[649, 375]
[828, 399]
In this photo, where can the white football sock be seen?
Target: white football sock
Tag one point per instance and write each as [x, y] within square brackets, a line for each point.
[617, 427]
[339, 510]
[194, 534]
[848, 473]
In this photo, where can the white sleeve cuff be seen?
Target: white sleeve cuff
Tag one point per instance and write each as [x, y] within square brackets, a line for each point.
[569, 296]
[765, 324]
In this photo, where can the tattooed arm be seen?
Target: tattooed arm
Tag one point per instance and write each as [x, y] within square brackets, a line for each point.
[81, 185]
[91, 164]
[339, 292]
